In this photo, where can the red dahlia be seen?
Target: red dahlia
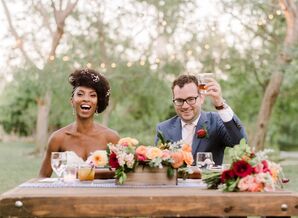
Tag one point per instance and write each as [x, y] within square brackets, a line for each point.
[113, 161]
[241, 168]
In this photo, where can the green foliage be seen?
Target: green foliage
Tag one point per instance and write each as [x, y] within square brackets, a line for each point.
[18, 111]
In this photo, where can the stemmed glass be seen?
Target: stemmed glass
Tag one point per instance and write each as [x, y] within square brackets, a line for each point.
[58, 163]
[204, 160]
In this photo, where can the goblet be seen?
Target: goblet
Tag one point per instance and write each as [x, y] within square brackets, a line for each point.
[58, 163]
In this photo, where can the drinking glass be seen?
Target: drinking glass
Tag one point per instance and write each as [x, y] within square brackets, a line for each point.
[70, 174]
[203, 79]
[204, 160]
[86, 173]
[58, 163]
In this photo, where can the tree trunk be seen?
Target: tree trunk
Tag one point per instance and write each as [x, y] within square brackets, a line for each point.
[275, 82]
[42, 122]
[268, 101]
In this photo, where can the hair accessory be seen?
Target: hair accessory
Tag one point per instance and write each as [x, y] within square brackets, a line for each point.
[95, 78]
[71, 79]
[85, 71]
[108, 93]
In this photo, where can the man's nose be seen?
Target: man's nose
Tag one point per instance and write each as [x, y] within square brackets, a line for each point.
[185, 105]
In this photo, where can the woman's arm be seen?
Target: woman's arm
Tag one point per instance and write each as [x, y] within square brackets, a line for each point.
[53, 145]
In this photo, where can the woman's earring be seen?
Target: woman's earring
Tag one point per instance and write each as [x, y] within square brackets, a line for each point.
[73, 111]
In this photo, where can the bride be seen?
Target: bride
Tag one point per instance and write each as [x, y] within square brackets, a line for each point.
[90, 95]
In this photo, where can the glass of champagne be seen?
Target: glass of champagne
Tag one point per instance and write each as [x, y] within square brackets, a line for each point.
[58, 163]
[204, 160]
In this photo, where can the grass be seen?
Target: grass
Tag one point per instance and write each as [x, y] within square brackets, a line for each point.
[18, 166]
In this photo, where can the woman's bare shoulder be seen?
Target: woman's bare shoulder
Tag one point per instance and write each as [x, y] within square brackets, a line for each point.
[59, 134]
[110, 134]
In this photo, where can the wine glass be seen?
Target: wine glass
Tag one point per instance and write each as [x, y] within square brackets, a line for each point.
[58, 163]
[204, 160]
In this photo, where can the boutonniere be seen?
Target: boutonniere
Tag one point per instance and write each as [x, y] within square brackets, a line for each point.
[202, 133]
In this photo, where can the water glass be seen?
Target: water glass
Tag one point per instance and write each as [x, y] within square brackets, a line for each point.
[70, 174]
[58, 163]
[204, 160]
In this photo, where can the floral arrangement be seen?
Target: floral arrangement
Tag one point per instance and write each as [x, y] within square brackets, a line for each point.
[249, 171]
[98, 158]
[127, 154]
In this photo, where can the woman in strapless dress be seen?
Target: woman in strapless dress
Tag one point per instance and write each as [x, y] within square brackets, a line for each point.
[90, 95]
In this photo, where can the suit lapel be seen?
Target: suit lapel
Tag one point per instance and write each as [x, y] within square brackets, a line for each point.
[196, 143]
[175, 130]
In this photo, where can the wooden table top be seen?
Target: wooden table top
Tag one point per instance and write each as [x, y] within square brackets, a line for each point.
[143, 201]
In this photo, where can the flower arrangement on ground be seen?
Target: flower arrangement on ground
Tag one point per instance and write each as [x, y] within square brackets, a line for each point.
[127, 154]
[249, 171]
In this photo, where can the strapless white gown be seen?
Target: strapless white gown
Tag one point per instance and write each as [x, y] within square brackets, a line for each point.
[74, 159]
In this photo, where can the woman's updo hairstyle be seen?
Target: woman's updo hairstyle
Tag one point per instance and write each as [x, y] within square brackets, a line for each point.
[92, 79]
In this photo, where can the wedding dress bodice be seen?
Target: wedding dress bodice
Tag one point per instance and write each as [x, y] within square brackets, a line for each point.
[74, 159]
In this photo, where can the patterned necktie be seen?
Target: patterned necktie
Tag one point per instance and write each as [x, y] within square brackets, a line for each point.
[188, 133]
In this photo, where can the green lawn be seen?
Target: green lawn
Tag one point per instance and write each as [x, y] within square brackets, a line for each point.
[17, 166]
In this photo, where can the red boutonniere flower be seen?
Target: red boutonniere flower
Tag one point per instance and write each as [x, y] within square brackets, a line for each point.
[202, 133]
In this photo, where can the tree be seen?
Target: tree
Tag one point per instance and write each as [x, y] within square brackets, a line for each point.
[44, 100]
[273, 88]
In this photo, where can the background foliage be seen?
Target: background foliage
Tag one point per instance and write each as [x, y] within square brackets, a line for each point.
[140, 46]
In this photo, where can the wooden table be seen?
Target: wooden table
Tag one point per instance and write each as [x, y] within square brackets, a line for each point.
[153, 201]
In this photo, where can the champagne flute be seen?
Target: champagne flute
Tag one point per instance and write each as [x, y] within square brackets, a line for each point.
[204, 160]
[58, 163]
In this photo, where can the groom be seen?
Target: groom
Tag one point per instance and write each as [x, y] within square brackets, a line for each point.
[205, 131]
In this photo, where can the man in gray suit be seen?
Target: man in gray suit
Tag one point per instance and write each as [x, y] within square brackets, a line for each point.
[205, 131]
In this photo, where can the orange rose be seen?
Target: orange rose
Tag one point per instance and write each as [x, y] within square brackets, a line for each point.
[153, 152]
[188, 158]
[141, 150]
[186, 147]
[178, 159]
[131, 142]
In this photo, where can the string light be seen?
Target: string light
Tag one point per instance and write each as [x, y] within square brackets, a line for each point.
[89, 65]
[113, 65]
[278, 12]
[189, 52]
[65, 58]
[129, 64]
[18, 42]
[102, 65]
[157, 60]
[164, 23]
[206, 46]
[270, 16]
[52, 57]
[142, 63]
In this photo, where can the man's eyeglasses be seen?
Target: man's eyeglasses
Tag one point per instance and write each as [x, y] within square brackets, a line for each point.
[189, 101]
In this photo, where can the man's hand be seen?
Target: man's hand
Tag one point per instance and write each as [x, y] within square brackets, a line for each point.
[214, 91]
